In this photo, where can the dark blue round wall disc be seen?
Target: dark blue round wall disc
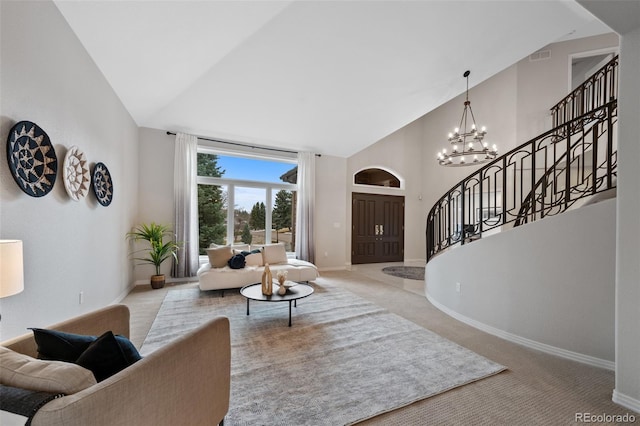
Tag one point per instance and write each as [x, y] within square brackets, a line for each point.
[102, 184]
[32, 159]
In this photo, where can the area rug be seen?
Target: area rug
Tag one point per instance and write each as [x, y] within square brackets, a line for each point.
[409, 272]
[344, 359]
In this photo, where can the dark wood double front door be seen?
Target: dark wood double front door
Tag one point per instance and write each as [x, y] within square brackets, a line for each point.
[377, 228]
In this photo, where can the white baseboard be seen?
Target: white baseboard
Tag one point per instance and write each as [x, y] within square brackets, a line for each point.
[123, 294]
[574, 356]
[626, 401]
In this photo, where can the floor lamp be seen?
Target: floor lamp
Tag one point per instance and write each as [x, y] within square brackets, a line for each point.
[11, 268]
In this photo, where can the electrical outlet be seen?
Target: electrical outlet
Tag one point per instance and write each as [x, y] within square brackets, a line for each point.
[457, 287]
[81, 298]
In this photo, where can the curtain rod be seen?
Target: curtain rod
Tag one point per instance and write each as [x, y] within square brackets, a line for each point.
[244, 145]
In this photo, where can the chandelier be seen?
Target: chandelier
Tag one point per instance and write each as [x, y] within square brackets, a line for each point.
[468, 147]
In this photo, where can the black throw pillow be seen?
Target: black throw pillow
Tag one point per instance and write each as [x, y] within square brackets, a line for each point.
[60, 346]
[104, 357]
[237, 261]
[131, 354]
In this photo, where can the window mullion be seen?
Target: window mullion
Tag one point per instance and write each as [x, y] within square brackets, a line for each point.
[231, 196]
[268, 216]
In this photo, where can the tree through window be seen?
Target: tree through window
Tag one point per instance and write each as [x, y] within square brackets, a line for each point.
[261, 193]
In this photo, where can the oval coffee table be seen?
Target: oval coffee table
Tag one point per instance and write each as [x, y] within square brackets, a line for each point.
[298, 291]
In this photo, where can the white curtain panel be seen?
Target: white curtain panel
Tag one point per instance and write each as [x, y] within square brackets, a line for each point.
[185, 195]
[305, 243]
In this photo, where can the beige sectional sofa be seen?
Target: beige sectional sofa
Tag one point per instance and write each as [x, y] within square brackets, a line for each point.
[186, 382]
[217, 275]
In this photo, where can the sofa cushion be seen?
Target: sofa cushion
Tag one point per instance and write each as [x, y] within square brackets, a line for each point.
[219, 256]
[274, 254]
[237, 261]
[60, 346]
[237, 248]
[23, 371]
[82, 350]
[106, 356]
[253, 259]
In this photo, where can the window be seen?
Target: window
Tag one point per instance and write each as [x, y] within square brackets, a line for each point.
[376, 177]
[262, 195]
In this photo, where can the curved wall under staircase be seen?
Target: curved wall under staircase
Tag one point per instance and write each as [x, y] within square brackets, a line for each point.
[549, 284]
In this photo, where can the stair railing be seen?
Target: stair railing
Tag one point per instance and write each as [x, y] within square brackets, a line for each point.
[596, 91]
[590, 171]
[493, 196]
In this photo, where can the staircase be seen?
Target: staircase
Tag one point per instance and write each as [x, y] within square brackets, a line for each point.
[545, 176]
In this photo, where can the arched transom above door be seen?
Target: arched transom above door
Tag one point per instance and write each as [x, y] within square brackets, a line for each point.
[375, 176]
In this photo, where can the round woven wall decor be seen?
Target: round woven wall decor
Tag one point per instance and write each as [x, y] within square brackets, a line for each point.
[76, 176]
[102, 184]
[32, 159]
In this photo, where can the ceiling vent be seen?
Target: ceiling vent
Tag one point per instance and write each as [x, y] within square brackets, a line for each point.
[540, 55]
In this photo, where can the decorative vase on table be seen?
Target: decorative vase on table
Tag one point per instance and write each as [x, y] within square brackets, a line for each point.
[282, 277]
[267, 281]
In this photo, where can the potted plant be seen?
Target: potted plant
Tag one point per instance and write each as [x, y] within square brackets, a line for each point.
[158, 250]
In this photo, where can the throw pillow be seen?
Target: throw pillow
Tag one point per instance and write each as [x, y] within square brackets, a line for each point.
[219, 256]
[131, 354]
[237, 248]
[104, 357]
[274, 254]
[253, 259]
[237, 261]
[23, 371]
[60, 346]
[69, 347]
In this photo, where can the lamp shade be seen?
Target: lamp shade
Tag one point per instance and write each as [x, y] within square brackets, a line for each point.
[11, 268]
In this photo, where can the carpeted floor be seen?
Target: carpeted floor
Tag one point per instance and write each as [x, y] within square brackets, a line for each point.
[339, 346]
[538, 389]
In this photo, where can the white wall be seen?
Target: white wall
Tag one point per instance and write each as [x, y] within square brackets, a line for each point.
[399, 153]
[155, 189]
[494, 104]
[48, 78]
[549, 282]
[514, 106]
[157, 150]
[628, 249]
[331, 220]
[543, 83]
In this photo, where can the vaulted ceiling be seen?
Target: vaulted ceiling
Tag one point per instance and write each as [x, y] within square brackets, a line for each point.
[331, 77]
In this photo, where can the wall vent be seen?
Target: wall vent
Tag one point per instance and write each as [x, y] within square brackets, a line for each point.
[540, 55]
